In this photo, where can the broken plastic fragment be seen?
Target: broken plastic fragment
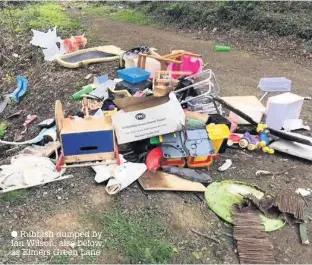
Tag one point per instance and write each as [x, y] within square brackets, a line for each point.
[20, 91]
[227, 164]
[303, 192]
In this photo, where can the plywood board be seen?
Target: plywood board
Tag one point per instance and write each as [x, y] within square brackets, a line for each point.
[163, 181]
[86, 125]
[89, 157]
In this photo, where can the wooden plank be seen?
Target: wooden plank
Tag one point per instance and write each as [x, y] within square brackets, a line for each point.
[90, 157]
[163, 181]
[110, 162]
[87, 125]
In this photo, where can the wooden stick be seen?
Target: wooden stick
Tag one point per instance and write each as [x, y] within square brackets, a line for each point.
[206, 236]
[161, 58]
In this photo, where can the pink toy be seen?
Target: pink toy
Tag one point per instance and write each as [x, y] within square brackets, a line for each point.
[189, 64]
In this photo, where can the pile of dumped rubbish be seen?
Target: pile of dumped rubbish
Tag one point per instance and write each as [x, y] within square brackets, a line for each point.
[162, 122]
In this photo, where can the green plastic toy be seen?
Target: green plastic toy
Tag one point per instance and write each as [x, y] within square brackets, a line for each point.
[222, 48]
[155, 140]
[85, 90]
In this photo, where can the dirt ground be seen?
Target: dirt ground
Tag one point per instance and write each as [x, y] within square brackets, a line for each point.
[59, 206]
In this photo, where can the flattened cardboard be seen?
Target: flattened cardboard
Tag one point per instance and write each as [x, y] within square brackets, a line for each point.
[146, 117]
[163, 181]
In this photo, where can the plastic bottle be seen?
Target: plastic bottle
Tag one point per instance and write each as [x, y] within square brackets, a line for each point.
[222, 48]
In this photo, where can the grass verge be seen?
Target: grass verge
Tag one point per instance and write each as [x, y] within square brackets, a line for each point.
[37, 16]
[121, 14]
[138, 237]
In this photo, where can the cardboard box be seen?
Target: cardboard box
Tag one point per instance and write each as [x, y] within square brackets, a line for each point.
[145, 117]
[282, 107]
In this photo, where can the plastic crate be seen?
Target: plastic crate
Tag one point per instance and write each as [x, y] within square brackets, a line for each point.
[133, 75]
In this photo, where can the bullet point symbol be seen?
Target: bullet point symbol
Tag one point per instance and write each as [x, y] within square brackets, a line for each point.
[14, 234]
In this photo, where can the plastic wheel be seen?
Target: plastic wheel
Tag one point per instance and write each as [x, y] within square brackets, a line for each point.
[230, 142]
[243, 143]
[251, 147]
[265, 149]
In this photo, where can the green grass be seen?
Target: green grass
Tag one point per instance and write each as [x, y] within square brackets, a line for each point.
[37, 16]
[127, 15]
[139, 237]
[16, 196]
[61, 259]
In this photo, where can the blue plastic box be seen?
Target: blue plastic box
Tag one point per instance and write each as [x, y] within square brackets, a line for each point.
[133, 75]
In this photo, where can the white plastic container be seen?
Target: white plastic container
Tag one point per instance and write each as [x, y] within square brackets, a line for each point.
[275, 84]
[282, 107]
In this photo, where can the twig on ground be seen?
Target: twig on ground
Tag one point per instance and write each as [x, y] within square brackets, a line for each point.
[206, 236]
[224, 233]
[6, 58]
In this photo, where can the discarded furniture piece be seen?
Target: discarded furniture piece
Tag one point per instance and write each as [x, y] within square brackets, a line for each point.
[161, 59]
[176, 61]
[163, 181]
[85, 140]
[163, 83]
[283, 107]
[88, 56]
[190, 62]
[274, 84]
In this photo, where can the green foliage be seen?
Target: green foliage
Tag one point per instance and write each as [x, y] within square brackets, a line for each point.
[127, 15]
[282, 18]
[16, 196]
[37, 16]
[139, 237]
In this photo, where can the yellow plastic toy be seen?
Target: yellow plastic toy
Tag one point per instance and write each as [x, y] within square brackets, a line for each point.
[217, 134]
[264, 139]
